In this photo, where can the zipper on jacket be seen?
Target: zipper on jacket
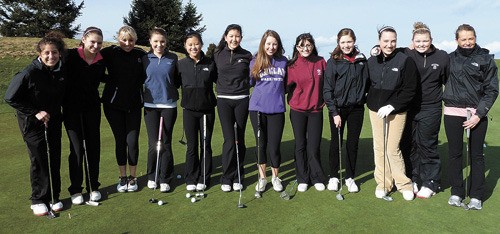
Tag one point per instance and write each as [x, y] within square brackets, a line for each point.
[381, 82]
[114, 95]
[231, 57]
[425, 59]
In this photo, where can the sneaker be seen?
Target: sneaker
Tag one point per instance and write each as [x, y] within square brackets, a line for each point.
[95, 195]
[352, 187]
[415, 187]
[164, 187]
[475, 204]
[77, 199]
[319, 186]
[132, 184]
[237, 186]
[122, 184]
[408, 195]
[277, 186]
[39, 209]
[57, 207]
[190, 187]
[333, 184]
[455, 201]
[201, 187]
[302, 187]
[425, 193]
[380, 193]
[225, 187]
[151, 184]
[261, 185]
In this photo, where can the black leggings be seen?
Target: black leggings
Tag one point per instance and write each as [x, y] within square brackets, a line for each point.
[193, 127]
[166, 163]
[126, 127]
[271, 132]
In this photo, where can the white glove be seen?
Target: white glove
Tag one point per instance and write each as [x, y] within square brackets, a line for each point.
[384, 111]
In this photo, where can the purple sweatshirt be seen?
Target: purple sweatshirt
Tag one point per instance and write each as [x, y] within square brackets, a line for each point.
[268, 95]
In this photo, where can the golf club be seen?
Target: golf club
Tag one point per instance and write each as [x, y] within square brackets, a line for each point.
[240, 205]
[287, 195]
[87, 170]
[258, 193]
[158, 148]
[467, 164]
[385, 197]
[339, 194]
[51, 214]
[182, 138]
[204, 156]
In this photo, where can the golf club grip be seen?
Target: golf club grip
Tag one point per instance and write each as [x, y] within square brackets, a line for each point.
[469, 115]
[160, 128]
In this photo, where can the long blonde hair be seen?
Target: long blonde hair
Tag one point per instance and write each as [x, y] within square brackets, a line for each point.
[262, 60]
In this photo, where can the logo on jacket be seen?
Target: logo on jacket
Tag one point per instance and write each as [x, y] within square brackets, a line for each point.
[395, 69]
[240, 60]
[319, 72]
[435, 66]
[139, 60]
[205, 69]
[475, 64]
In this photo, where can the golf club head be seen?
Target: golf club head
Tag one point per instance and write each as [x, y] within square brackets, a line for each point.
[388, 198]
[200, 195]
[241, 205]
[92, 203]
[51, 214]
[340, 197]
[466, 207]
[284, 195]
[182, 142]
[257, 194]
[152, 200]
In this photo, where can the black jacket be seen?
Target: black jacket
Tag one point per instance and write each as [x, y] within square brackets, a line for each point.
[196, 80]
[346, 83]
[433, 68]
[473, 81]
[393, 81]
[82, 82]
[233, 72]
[124, 83]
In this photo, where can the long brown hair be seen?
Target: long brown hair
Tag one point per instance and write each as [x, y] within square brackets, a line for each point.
[262, 60]
[337, 53]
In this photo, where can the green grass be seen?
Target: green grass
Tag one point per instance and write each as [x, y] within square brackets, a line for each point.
[312, 211]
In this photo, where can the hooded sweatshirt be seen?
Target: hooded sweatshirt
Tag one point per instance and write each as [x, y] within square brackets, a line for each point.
[268, 95]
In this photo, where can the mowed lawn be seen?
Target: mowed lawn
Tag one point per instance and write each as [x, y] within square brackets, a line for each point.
[312, 211]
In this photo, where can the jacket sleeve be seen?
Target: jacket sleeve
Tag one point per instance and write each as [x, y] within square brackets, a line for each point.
[16, 94]
[404, 95]
[490, 89]
[329, 87]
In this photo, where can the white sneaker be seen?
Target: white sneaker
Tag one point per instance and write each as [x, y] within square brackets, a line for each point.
[237, 186]
[380, 193]
[190, 187]
[352, 187]
[77, 199]
[39, 209]
[408, 195]
[277, 186]
[425, 193]
[319, 186]
[455, 201]
[132, 184]
[164, 187]
[200, 187]
[261, 185]
[151, 184]
[225, 187]
[333, 184]
[95, 195]
[415, 187]
[57, 207]
[475, 204]
[122, 184]
[302, 187]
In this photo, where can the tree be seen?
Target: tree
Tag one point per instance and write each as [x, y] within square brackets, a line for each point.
[34, 18]
[167, 14]
[210, 50]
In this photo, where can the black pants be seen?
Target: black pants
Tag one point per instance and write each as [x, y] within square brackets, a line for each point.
[271, 132]
[82, 126]
[455, 133]
[352, 117]
[307, 130]
[126, 126]
[419, 146]
[33, 132]
[231, 112]
[193, 127]
[166, 163]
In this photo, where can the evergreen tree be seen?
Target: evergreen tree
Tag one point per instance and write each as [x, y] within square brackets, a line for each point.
[34, 18]
[210, 50]
[167, 14]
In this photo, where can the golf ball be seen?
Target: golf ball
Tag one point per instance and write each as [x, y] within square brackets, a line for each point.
[160, 202]
[193, 200]
[188, 195]
[179, 176]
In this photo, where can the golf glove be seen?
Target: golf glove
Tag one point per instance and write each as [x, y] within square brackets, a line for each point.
[384, 111]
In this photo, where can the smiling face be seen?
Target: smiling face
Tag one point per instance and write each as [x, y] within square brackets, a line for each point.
[158, 43]
[271, 45]
[49, 55]
[92, 43]
[387, 42]
[305, 48]
[233, 39]
[422, 42]
[466, 39]
[127, 42]
[346, 44]
[193, 47]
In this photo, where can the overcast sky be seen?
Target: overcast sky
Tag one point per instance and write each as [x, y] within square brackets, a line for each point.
[323, 19]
